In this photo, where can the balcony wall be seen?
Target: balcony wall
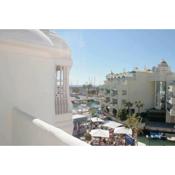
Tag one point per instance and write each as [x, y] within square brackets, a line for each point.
[171, 88]
[172, 100]
[170, 118]
[28, 130]
[172, 112]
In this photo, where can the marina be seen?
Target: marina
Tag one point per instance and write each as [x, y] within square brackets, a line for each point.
[103, 131]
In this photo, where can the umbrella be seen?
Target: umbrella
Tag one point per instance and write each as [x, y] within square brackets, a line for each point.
[123, 130]
[99, 133]
[112, 124]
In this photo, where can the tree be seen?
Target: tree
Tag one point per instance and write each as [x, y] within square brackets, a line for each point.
[88, 137]
[128, 104]
[76, 90]
[93, 111]
[134, 122]
[122, 114]
[92, 92]
[139, 105]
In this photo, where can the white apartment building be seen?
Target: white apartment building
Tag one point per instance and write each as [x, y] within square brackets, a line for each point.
[35, 105]
[170, 112]
[149, 86]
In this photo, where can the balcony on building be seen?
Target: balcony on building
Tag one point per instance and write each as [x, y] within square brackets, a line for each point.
[114, 92]
[172, 100]
[124, 92]
[107, 92]
[172, 112]
[107, 99]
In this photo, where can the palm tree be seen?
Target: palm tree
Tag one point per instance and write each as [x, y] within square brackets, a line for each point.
[139, 105]
[121, 114]
[134, 122]
[128, 104]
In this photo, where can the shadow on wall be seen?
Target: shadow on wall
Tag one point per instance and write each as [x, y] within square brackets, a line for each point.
[27, 130]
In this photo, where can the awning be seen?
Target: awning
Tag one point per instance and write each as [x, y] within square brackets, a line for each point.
[79, 117]
[99, 133]
[96, 119]
[112, 124]
[123, 130]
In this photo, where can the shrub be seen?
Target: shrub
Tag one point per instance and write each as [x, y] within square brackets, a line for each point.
[88, 137]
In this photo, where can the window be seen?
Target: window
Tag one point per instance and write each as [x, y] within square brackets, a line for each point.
[59, 80]
[107, 100]
[107, 91]
[124, 92]
[114, 101]
[114, 92]
[123, 102]
[61, 100]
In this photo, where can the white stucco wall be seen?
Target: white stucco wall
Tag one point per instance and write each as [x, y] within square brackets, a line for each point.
[28, 81]
[26, 86]
[141, 89]
[28, 130]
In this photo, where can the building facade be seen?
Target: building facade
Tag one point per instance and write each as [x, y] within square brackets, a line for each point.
[34, 77]
[150, 86]
[170, 112]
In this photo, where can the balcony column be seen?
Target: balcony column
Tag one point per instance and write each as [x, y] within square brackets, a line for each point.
[63, 95]
[64, 88]
[60, 100]
[57, 103]
[67, 90]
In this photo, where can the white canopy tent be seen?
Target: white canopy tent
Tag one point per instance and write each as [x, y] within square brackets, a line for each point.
[123, 130]
[83, 109]
[99, 133]
[96, 119]
[112, 124]
[80, 117]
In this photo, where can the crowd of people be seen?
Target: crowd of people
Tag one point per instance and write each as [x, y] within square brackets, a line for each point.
[84, 128]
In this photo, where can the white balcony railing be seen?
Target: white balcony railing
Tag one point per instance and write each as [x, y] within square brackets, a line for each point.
[172, 112]
[27, 130]
[172, 100]
[171, 88]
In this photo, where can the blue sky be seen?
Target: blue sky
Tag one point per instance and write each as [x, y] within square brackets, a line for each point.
[97, 52]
